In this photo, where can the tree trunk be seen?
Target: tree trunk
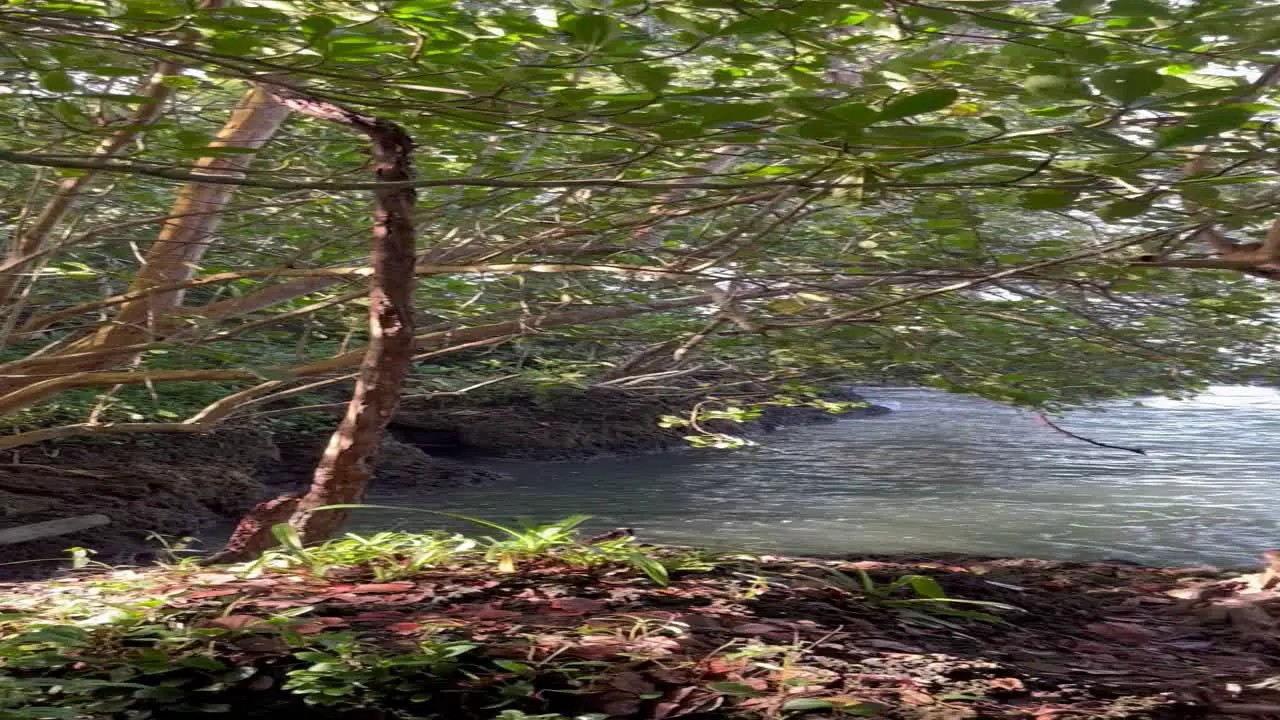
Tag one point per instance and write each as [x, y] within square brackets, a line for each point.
[183, 241]
[178, 247]
[156, 90]
[344, 472]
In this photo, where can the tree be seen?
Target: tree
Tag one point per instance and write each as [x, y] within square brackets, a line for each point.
[1041, 203]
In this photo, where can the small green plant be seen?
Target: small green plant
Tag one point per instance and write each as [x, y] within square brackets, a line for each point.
[388, 555]
[929, 597]
[529, 540]
[119, 660]
[342, 671]
[83, 557]
[779, 670]
[177, 553]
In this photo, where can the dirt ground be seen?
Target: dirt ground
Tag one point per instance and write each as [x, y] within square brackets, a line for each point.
[765, 637]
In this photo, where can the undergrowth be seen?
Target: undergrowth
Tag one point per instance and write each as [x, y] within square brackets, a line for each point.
[138, 644]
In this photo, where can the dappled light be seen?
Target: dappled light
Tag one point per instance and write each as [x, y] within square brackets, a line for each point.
[276, 271]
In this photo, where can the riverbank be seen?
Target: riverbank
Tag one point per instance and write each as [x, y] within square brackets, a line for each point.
[176, 485]
[418, 626]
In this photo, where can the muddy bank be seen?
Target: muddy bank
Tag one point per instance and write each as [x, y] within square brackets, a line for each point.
[177, 485]
[568, 425]
[173, 485]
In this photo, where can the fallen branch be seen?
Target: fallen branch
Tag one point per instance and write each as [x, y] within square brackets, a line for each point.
[51, 528]
[1081, 438]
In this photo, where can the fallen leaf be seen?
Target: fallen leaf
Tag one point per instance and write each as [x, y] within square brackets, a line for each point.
[915, 697]
[213, 593]
[483, 612]
[378, 615]
[235, 622]
[672, 705]
[290, 603]
[653, 646]
[575, 606]
[722, 665]
[1008, 685]
[1122, 632]
[263, 644]
[757, 629]
[404, 599]
[597, 647]
[631, 682]
[395, 587]
[213, 579]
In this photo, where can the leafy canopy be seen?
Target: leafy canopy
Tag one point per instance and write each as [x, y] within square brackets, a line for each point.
[952, 193]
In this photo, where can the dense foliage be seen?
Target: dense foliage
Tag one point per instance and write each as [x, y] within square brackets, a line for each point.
[1041, 203]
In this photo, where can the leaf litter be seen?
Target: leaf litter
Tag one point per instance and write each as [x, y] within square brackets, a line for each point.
[749, 637]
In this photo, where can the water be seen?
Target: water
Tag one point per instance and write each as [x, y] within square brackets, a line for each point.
[942, 473]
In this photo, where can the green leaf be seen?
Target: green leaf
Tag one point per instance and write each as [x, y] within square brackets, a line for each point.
[803, 704]
[904, 136]
[735, 689]
[68, 112]
[1138, 9]
[1078, 7]
[679, 130]
[720, 114]
[651, 77]
[286, 535]
[593, 29]
[514, 666]
[193, 139]
[1055, 86]
[654, 570]
[1126, 208]
[1205, 125]
[57, 81]
[317, 25]
[234, 44]
[1128, 85]
[925, 586]
[922, 102]
[854, 114]
[1048, 199]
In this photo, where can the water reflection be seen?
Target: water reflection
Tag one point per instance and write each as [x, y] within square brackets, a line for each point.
[942, 473]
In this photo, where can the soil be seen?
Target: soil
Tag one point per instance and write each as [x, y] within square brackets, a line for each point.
[568, 425]
[761, 637]
[174, 486]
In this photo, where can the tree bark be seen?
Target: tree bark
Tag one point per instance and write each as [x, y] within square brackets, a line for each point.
[344, 472]
[183, 241]
[156, 91]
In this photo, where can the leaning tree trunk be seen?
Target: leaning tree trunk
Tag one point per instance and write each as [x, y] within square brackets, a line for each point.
[153, 92]
[183, 240]
[344, 472]
[179, 246]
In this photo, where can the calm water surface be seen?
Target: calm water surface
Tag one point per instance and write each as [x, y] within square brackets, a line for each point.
[941, 474]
